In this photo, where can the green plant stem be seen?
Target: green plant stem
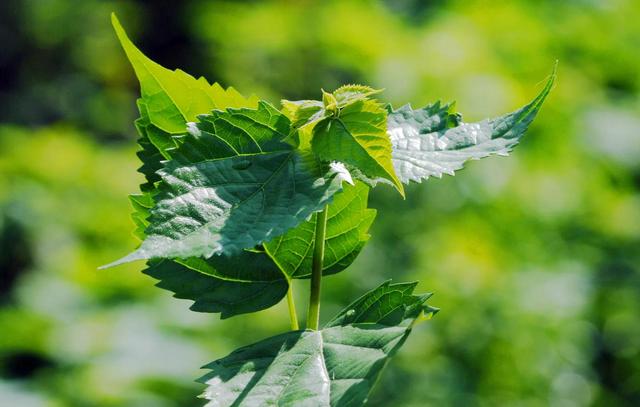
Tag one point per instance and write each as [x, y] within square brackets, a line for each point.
[313, 316]
[293, 316]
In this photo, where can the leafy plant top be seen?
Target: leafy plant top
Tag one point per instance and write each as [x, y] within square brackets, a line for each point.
[240, 197]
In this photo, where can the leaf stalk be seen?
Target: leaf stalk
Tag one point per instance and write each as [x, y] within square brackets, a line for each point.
[293, 316]
[313, 315]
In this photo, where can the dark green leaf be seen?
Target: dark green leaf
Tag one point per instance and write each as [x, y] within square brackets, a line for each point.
[223, 205]
[336, 366]
[244, 266]
[142, 204]
[433, 141]
[348, 222]
[149, 154]
[212, 294]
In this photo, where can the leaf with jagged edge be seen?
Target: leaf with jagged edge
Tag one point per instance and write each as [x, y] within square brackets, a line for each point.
[215, 295]
[141, 204]
[358, 137]
[347, 94]
[433, 140]
[305, 114]
[149, 154]
[223, 205]
[233, 132]
[254, 270]
[170, 99]
[336, 366]
[348, 222]
[174, 98]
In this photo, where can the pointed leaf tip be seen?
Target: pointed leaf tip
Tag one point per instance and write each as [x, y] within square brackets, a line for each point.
[433, 141]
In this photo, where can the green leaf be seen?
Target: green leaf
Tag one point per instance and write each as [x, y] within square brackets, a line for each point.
[216, 295]
[302, 112]
[358, 137]
[234, 132]
[170, 99]
[336, 366]
[305, 114]
[174, 98]
[348, 222]
[433, 140]
[150, 155]
[347, 94]
[386, 304]
[223, 205]
[142, 204]
[246, 266]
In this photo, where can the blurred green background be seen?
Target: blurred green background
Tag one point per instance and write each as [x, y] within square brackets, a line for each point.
[534, 259]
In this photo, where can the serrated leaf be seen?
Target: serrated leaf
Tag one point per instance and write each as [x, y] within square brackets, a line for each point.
[305, 114]
[433, 141]
[141, 204]
[149, 154]
[233, 132]
[347, 94]
[169, 100]
[358, 137]
[386, 304]
[302, 112]
[336, 366]
[216, 295]
[246, 266]
[174, 98]
[223, 205]
[348, 222]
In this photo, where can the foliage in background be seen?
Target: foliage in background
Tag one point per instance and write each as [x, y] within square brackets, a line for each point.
[545, 271]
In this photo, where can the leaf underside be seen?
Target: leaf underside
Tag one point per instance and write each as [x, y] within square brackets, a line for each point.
[213, 294]
[432, 141]
[336, 366]
[348, 222]
[253, 280]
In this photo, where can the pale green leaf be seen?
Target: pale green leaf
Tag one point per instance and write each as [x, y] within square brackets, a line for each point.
[336, 366]
[305, 114]
[347, 94]
[348, 222]
[174, 98]
[433, 140]
[358, 137]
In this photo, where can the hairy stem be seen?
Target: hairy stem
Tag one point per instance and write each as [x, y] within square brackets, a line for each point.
[313, 316]
[293, 316]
